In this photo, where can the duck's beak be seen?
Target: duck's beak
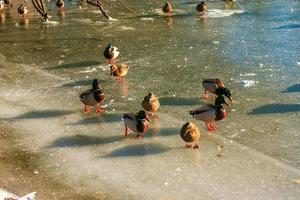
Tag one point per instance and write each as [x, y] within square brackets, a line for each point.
[230, 99]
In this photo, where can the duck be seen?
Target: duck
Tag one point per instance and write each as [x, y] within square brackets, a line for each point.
[60, 3]
[201, 8]
[190, 133]
[136, 122]
[167, 8]
[111, 53]
[119, 71]
[92, 97]
[215, 86]
[209, 113]
[1, 5]
[151, 104]
[22, 10]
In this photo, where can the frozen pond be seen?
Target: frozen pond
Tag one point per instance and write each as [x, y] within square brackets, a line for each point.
[253, 46]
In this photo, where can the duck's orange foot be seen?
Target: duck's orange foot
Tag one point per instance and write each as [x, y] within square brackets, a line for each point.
[205, 95]
[196, 146]
[86, 109]
[155, 116]
[187, 146]
[139, 136]
[126, 132]
[98, 109]
[210, 126]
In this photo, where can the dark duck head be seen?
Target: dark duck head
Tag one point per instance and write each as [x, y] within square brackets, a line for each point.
[224, 91]
[60, 3]
[142, 121]
[97, 90]
[22, 10]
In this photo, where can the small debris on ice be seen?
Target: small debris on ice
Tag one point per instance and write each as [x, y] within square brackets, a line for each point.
[297, 181]
[298, 63]
[233, 110]
[178, 169]
[243, 130]
[35, 172]
[166, 183]
[248, 83]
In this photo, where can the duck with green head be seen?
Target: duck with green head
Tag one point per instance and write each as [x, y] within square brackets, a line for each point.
[167, 8]
[111, 53]
[211, 113]
[201, 7]
[136, 122]
[93, 97]
[60, 3]
[22, 10]
[216, 87]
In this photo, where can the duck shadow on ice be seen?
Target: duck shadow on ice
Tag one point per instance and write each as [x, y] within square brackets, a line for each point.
[288, 26]
[179, 101]
[41, 114]
[86, 82]
[275, 108]
[138, 150]
[85, 140]
[76, 65]
[111, 117]
[292, 88]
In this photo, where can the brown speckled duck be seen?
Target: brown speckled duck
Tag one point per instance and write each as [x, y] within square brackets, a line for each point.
[111, 53]
[190, 133]
[215, 86]
[93, 97]
[136, 122]
[151, 104]
[167, 8]
[201, 8]
[119, 71]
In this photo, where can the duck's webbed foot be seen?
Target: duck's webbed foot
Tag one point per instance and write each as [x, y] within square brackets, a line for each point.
[86, 109]
[98, 109]
[210, 126]
[139, 136]
[187, 146]
[196, 146]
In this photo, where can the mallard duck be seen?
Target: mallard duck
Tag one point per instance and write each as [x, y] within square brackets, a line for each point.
[1, 5]
[190, 133]
[215, 86]
[111, 53]
[60, 3]
[151, 104]
[22, 10]
[92, 97]
[167, 8]
[119, 71]
[201, 7]
[209, 114]
[136, 122]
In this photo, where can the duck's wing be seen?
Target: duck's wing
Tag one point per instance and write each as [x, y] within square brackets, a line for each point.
[130, 116]
[204, 108]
